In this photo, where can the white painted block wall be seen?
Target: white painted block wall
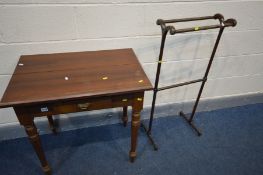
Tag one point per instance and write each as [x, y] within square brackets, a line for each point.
[49, 26]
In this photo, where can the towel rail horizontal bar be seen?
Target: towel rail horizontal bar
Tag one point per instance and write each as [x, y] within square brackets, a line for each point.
[223, 23]
[174, 31]
[180, 84]
[227, 23]
[216, 16]
[188, 19]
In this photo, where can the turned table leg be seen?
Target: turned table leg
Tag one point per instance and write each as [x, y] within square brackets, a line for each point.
[125, 116]
[32, 133]
[51, 124]
[31, 130]
[135, 125]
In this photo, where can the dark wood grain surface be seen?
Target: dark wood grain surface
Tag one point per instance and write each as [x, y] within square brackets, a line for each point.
[52, 77]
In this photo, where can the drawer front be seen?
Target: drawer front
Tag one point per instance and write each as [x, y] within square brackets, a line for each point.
[79, 106]
[68, 107]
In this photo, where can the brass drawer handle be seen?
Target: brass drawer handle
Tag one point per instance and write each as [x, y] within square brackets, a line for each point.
[83, 106]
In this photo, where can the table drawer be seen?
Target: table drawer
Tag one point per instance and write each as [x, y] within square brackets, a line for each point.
[78, 106]
[81, 105]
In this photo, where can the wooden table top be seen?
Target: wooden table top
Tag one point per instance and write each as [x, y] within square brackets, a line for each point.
[76, 75]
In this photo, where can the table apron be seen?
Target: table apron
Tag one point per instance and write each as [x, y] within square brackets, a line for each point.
[38, 110]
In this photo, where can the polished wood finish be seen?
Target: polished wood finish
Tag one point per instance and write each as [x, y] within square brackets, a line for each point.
[135, 124]
[52, 77]
[28, 122]
[50, 84]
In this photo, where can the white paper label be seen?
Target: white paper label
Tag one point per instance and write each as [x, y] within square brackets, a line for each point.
[44, 109]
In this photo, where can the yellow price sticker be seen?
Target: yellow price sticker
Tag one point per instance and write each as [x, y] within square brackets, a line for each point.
[104, 78]
[139, 99]
[197, 28]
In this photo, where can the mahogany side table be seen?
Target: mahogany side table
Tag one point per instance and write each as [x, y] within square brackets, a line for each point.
[51, 84]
